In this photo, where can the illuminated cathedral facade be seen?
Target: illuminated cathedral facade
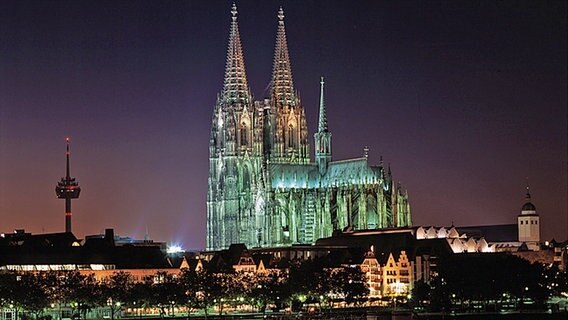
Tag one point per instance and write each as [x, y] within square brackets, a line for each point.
[264, 190]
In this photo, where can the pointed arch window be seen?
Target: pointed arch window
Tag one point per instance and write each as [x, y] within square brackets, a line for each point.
[244, 134]
[322, 145]
[246, 179]
[291, 135]
[371, 212]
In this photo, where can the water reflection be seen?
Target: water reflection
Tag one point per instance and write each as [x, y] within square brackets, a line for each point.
[501, 316]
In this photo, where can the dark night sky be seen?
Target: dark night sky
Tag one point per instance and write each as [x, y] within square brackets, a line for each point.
[465, 99]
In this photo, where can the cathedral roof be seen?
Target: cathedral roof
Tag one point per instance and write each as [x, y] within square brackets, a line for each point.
[355, 170]
[350, 171]
[294, 175]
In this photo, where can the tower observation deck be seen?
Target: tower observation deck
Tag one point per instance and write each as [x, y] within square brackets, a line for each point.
[67, 188]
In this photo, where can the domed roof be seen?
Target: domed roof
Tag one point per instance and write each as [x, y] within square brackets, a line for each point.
[528, 207]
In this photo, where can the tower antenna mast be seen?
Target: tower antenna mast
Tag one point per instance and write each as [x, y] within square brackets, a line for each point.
[67, 188]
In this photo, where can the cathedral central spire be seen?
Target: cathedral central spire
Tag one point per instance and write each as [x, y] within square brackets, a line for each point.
[282, 83]
[235, 87]
[322, 123]
[322, 137]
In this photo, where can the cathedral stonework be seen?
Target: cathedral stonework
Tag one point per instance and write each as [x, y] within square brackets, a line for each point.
[263, 188]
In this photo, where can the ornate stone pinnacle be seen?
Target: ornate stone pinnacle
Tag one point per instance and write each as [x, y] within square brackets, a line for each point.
[234, 11]
[281, 16]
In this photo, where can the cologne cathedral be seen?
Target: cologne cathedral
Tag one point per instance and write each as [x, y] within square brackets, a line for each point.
[264, 190]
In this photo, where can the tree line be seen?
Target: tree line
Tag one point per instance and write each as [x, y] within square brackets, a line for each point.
[486, 282]
[306, 282]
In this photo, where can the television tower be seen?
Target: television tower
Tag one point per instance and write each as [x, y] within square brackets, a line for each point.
[68, 188]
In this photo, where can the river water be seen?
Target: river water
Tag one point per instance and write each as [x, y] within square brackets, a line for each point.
[499, 316]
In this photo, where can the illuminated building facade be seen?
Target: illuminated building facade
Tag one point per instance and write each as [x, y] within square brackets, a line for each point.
[263, 188]
[393, 277]
[523, 236]
[397, 275]
[528, 222]
[372, 270]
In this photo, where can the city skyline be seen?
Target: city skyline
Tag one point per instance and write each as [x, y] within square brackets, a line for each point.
[465, 100]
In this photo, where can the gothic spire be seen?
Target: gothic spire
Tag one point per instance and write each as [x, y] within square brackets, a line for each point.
[322, 137]
[282, 83]
[322, 123]
[235, 87]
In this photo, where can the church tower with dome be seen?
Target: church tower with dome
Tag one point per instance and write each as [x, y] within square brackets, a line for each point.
[264, 190]
[529, 224]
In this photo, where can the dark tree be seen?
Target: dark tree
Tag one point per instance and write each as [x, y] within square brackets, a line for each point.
[115, 291]
[266, 288]
[353, 285]
[89, 294]
[200, 288]
[166, 292]
[557, 280]
[222, 286]
[67, 286]
[479, 278]
[7, 284]
[12, 291]
[141, 294]
[308, 280]
[32, 293]
[420, 295]
[440, 295]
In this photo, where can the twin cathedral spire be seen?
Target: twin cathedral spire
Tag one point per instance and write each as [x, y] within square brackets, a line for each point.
[235, 86]
[282, 84]
[284, 126]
